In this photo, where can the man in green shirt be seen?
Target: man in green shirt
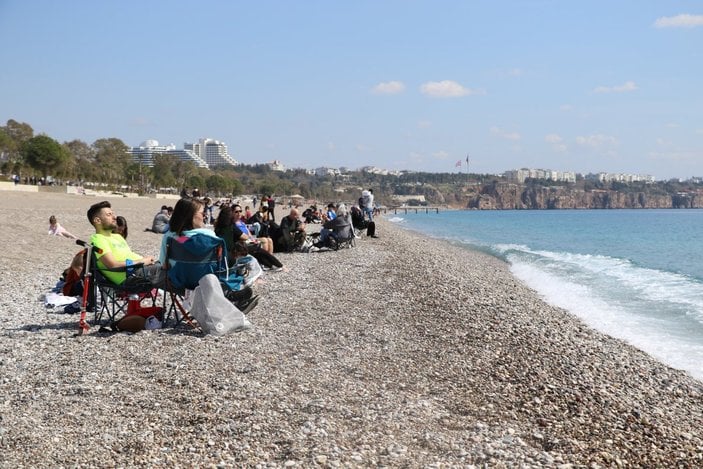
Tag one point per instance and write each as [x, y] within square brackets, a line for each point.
[114, 252]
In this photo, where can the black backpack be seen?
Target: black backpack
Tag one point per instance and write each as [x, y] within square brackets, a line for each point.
[371, 229]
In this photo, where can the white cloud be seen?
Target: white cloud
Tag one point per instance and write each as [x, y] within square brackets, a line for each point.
[566, 108]
[597, 141]
[679, 21]
[361, 148]
[556, 141]
[424, 124]
[504, 134]
[440, 155]
[624, 88]
[515, 72]
[389, 87]
[331, 146]
[447, 89]
[699, 131]
[142, 122]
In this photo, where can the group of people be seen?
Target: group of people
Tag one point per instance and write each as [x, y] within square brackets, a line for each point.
[255, 235]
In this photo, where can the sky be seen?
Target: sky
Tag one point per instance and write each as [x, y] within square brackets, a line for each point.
[584, 86]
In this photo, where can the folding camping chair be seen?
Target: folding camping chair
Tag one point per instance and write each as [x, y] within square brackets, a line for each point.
[342, 236]
[109, 300]
[188, 259]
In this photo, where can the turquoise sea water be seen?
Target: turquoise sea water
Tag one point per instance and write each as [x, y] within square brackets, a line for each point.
[633, 274]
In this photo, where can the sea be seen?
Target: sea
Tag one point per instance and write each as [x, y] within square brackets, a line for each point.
[633, 274]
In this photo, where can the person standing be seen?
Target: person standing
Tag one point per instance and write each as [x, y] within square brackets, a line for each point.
[272, 206]
[367, 199]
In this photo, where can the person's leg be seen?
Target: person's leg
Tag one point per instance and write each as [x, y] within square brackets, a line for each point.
[266, 259]
[324, 234]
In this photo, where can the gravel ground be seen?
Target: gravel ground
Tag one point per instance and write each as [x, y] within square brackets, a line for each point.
[400, 352]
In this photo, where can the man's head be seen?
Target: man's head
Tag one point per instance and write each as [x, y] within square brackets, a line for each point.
[293, 215]
[331, 206]
[102, 217]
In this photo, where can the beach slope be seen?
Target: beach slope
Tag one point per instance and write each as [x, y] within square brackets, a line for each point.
[402, 351]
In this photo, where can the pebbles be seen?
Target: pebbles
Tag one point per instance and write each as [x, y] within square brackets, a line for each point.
[380, 355]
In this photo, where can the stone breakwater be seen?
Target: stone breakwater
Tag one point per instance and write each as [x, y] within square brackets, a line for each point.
[400, 352]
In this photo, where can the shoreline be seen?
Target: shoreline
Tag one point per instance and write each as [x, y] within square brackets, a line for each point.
[390, 353]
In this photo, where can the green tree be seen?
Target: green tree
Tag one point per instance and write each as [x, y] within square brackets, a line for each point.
[162, 172]
[183, 170]
[218, 184]
[14, 135]
[112, 159]
[44, 154]
[196, 181]
[237, 187]
[83, 160]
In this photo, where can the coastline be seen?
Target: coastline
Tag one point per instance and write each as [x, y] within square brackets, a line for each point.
[392, 353]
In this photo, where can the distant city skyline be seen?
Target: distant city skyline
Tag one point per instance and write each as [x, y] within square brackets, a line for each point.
[587, 87]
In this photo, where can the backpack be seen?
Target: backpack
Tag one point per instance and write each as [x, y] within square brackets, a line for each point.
[371, 229]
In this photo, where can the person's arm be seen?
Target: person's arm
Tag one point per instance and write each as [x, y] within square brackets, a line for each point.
[109, 260]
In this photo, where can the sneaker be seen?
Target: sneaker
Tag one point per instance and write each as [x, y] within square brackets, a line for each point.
[73, 308]
[239, 295]
[275, 269]
[247, 307]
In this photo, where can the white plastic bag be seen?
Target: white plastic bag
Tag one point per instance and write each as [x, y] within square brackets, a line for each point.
[251, 267]
[215, 314]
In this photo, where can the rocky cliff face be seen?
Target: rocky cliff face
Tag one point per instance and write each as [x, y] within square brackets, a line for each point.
[507, 196]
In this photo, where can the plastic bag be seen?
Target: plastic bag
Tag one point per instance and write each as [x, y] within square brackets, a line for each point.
[215, 314]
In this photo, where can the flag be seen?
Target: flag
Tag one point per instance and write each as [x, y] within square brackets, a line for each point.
[458, 163]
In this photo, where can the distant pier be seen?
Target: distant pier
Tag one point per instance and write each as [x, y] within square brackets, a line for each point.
[406, 210]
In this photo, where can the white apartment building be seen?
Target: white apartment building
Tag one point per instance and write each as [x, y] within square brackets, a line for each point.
[276, 165]
[527, 173]
[213, 152]
[144, 154]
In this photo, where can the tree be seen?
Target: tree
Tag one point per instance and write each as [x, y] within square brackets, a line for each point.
[83, 160]
[112, 159]
[161, 171]
[44, 154]
[218, 184]
[15, 134]
[196, 182]
[182, 171]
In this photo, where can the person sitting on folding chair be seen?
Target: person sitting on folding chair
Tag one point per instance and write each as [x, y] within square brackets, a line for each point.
[337, 228]
[292, 233]
[113, 252]
[188, 220]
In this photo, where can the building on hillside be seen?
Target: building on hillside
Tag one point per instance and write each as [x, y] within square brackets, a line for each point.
[620, 177]
[144, 154]
[276, 165]
[213, 152]
[520, 175]
[325, 171]
[374, 170]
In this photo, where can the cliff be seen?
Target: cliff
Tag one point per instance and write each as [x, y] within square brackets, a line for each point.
[510, 196]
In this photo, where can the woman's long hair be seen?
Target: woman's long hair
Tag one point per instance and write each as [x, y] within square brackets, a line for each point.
[122, 225]
[224, 218]
[183, 213]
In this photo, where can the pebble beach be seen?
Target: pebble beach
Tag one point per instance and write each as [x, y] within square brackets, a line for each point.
[402, 351]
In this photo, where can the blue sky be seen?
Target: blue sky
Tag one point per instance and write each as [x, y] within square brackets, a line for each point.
[583, 86]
